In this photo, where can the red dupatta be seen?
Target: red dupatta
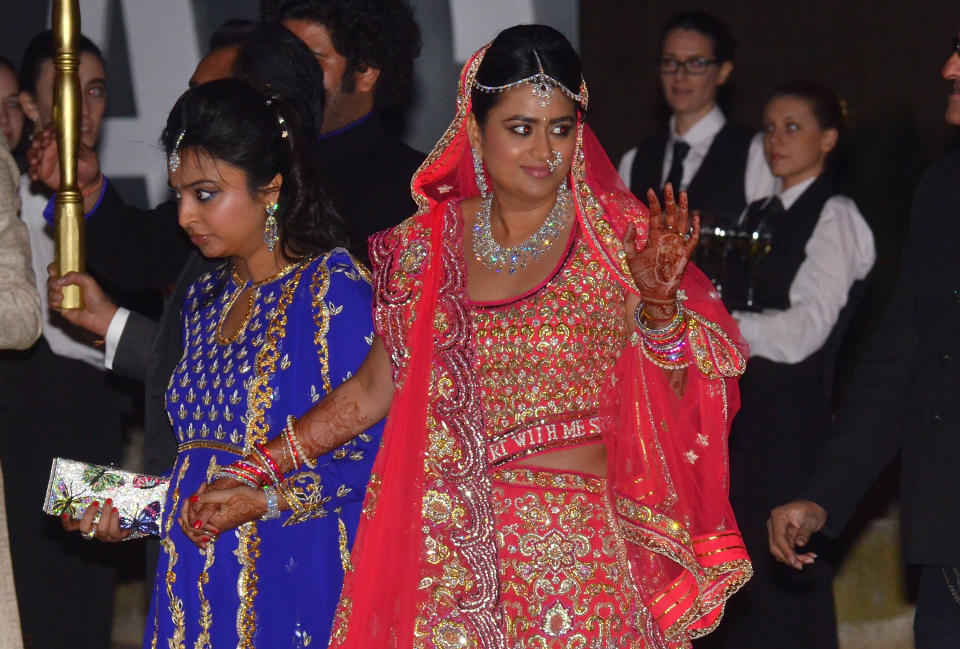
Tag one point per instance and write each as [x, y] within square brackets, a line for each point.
[425, 556]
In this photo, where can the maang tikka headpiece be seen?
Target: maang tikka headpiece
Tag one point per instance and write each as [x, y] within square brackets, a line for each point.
[543, 85]
[173, 162]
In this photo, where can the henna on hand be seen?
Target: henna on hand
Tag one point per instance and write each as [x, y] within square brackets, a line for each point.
[658, 268]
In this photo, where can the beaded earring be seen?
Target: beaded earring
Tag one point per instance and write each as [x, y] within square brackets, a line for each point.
[478, 172]
[270, 228]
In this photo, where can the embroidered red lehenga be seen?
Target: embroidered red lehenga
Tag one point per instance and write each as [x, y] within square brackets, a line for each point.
[461, 544]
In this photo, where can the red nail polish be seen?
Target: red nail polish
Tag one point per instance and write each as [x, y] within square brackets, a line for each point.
[64, 516]
[108, 502]
[197, 524]
[95, 503]
[206, 539]
[114, 510]
[194, 498]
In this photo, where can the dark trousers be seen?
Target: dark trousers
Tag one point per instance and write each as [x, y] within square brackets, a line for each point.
[937, 623]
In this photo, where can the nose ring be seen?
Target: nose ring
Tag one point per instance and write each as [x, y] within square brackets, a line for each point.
[554, 161]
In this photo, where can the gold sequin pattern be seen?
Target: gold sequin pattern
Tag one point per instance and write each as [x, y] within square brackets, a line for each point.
[260, 395]
[176, 604]
[248, 551]
[321, 319]
[206, 615]
[552, 352]
[564, 582]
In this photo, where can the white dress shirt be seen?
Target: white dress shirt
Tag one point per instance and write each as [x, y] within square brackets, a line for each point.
[758, 181]
[839, 252]
[64, 338]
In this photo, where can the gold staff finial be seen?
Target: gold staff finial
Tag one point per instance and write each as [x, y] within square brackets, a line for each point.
[66, 117]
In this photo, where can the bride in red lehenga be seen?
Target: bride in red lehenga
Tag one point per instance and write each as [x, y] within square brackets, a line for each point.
[554, 474]
[560, 385]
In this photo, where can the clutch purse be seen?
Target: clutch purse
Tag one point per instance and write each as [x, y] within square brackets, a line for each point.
[138, 498]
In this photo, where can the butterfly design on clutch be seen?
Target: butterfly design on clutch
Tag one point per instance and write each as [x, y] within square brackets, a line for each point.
[66, 502]
[100, 478]
[147, 481]
[145, 521]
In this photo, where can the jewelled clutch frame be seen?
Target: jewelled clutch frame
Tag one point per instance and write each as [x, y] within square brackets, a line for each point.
[138, 498]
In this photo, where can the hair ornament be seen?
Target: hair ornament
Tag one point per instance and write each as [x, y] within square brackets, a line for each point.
[173, 162]
[271, 98]
[543, 86]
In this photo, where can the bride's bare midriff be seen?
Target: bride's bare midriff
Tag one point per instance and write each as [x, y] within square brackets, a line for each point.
[588, 458]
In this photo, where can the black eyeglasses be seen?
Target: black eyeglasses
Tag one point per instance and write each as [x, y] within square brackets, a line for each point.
[956, 45]
[695, 65]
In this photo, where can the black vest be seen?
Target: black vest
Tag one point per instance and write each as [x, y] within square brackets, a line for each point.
[790, 231]
[717, 188]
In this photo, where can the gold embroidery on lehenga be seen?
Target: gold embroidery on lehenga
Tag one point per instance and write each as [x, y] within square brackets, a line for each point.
[563, 582]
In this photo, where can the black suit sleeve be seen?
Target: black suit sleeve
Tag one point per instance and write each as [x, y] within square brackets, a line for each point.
[868, 430]
[133, 348]
[133, 248]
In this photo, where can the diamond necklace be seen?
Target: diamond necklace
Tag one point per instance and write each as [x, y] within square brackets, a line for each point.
[497, 258]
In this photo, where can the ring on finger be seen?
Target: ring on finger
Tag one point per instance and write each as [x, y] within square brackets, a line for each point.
[89, 536]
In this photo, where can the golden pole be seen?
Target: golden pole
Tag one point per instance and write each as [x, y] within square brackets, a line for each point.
[66, 117]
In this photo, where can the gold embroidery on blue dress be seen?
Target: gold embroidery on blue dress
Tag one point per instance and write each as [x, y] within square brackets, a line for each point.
[175, 604]
[206, 615]
[319, 287]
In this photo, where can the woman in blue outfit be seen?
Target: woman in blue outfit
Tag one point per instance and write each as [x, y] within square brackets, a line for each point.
[280, 323]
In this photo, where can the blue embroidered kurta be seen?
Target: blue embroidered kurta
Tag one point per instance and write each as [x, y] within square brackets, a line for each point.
[267, 583]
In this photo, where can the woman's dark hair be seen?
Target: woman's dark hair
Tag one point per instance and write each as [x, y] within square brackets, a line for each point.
[513, 56]
[270, 55]
[825, 105]
[42, 48]
[380, 34]
[707, 25]
[230, 121]
[4, 63]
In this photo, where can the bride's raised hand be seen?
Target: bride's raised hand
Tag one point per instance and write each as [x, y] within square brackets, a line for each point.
[657, 268]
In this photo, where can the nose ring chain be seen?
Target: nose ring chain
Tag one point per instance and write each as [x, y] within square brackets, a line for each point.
[554, 161]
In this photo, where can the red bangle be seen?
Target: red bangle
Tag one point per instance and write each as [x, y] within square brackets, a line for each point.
[252, 469]
[264, 456]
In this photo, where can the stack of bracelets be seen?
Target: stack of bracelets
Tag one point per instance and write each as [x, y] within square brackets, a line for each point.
[665, 346]
[265, 473]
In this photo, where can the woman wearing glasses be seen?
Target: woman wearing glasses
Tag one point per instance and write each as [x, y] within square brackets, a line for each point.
[720, 164]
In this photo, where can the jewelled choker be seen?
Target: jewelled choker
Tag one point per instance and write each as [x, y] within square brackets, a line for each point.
[497, 257]
[543, 85]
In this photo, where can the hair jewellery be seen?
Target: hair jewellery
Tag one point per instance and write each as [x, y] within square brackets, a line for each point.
[173, 162]
[543, 86]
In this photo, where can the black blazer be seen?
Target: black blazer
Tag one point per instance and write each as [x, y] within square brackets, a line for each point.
[904, 394]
